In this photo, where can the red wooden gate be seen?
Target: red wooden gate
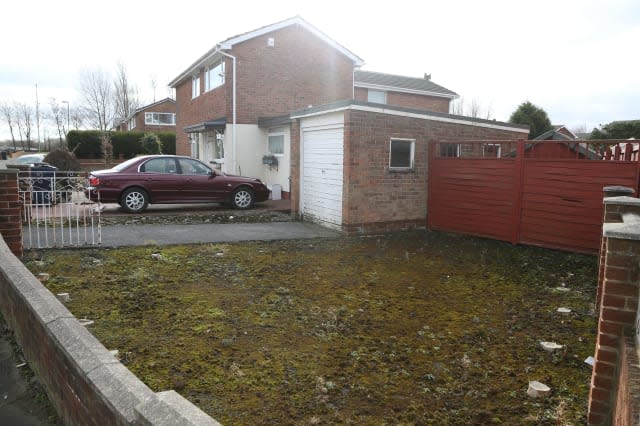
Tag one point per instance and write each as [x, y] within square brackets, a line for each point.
[544, 193]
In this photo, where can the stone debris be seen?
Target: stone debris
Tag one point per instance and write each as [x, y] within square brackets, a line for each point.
[42, 276]
[564, 310]
[538, 390]
[63, 297]
[550, 346]
[86, 322]
[156, 256]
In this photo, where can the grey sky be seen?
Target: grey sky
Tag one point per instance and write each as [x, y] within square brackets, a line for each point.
[577, 59]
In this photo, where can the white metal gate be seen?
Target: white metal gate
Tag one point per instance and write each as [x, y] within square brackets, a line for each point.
[56, 210]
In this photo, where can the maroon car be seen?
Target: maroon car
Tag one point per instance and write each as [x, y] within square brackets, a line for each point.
[172, 179]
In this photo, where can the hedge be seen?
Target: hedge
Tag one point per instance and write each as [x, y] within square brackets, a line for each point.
[86, 143]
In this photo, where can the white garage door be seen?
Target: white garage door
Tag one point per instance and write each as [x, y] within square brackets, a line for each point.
[322, 154]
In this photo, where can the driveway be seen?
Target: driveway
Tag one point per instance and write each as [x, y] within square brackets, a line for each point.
[139, 235]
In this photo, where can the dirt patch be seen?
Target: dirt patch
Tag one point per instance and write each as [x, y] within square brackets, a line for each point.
[410, 328]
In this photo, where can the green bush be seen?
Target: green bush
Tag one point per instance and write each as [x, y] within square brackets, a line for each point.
[64, 160]
[151, 144]
[88, 143]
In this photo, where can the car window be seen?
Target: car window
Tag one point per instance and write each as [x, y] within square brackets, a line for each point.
[159, 165]
[192, 167]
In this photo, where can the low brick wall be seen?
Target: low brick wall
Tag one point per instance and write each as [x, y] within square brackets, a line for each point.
[84, 381]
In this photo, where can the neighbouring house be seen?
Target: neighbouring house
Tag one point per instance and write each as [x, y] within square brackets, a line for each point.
[397, 90]
[570, 149]
[233, 103]
[157, 117]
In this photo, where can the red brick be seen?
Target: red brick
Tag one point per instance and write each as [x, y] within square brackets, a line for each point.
[621, 289]
[616, 274]
[614, 301]
[615, 315]
[606, 355]
[604, 369]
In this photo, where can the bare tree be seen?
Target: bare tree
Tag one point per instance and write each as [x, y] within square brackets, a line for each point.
[126, 95]
[474, 109]
[154, 86]
[97, 97]
[77, 117]
[25, 121]
[58, 118]
[9, 116]
[457, 106]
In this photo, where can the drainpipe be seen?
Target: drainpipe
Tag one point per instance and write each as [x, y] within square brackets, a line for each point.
[234, 163]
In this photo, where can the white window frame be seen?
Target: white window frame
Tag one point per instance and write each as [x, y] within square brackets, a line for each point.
[411, 154]
[214, 76]
[194, 138]
[379, 93]
[195, 86]
[497, 152]
[150, 119]
[132, 123]
[276, 133]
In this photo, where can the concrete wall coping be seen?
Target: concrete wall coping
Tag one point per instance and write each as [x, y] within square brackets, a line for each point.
[622, 201]
[8, 171]
[628, 229]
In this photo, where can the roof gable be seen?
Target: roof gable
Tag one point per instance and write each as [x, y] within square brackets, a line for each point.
[400, 83]
[230, 42]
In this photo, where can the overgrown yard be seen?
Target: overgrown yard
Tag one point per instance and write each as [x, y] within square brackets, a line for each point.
[409, 328]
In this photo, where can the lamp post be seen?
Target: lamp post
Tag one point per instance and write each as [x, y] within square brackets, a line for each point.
[67, 102]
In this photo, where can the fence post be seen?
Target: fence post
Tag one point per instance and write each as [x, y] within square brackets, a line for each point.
[431, 155]
[10, 211]
[518, 182]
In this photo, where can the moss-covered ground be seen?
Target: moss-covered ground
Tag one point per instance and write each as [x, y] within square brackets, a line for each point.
[408, 328]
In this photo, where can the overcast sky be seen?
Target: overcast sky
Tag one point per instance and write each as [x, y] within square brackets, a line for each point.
[576, 59]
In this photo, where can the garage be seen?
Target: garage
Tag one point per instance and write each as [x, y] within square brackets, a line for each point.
[322, 170]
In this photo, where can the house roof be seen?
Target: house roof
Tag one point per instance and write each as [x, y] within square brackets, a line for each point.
[153, 105]
[401, 83]
[407, 112]
[230, 42]
[556, 134]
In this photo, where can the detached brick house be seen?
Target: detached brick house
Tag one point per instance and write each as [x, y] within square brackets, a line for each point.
[288, 104]
[156, 117]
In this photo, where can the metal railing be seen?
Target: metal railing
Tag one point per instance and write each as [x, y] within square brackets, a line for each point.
[56, 209]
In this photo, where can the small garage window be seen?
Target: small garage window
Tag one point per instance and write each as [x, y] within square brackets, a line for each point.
[401, 153]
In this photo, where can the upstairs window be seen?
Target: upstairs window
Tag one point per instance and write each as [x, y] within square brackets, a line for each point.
[195, 86]
[160, 118]
[377, 96]
[401, 153]
[214, 76]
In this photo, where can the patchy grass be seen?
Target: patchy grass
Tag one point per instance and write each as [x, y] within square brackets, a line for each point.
[410, 328]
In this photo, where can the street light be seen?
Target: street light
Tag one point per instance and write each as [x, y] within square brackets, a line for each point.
[67, 102]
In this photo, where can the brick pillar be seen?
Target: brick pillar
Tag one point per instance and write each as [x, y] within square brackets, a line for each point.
[617, 302]
[611, 213]
[10, 211]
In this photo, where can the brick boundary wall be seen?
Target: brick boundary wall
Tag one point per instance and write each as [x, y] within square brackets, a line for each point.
[10, 211]
[615, 384]
[86, 384]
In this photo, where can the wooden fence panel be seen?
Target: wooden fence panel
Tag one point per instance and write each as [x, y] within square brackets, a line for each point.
[474, 196]
[529, 198]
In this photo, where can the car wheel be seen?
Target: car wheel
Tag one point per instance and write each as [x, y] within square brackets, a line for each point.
[134, 200]
[242, 198]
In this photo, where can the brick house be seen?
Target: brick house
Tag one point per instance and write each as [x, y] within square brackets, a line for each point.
[229, 101]
[156, 117]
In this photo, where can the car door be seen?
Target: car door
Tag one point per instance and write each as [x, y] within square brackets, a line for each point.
[160, 177]
[199, 182]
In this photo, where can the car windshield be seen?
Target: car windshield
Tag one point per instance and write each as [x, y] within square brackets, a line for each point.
[29, 159]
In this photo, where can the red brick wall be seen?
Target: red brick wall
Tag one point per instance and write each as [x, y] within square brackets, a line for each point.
[409, 100]
[300, 70]
[626, 410]
[10, 211]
